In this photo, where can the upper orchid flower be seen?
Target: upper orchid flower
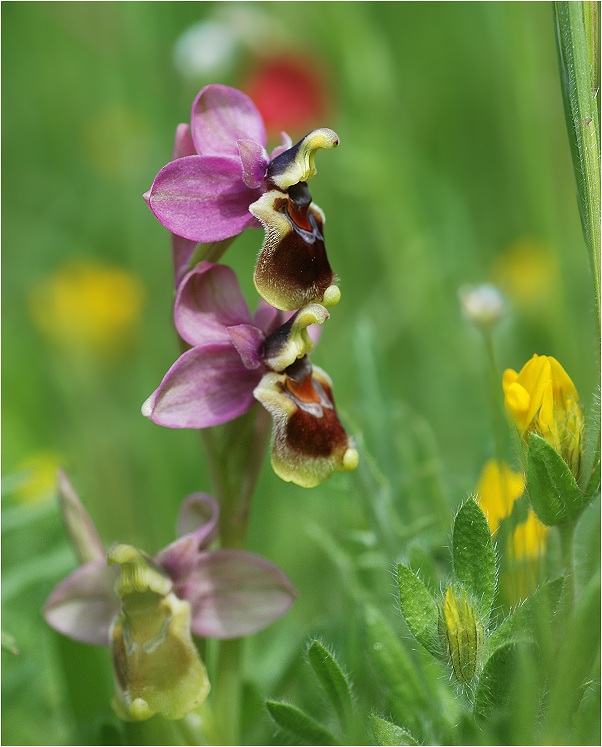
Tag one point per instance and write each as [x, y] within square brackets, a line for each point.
[237, 358]
[222, 180]
[148, 608]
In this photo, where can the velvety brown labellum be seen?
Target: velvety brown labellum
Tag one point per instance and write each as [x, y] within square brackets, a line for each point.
[293, 268]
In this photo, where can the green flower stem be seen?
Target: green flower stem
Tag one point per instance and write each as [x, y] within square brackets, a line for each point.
[209, 252]
[567, 534]
[577, 30]
[235, 454]
[495, 399]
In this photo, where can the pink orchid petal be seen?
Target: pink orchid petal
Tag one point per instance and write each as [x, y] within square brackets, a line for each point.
[206, 386]
[202, 198]
[254, 159]
[235, 593]
[268, 318]
[287, 143]
[248, 340]
[182, 250]
[197, 528]
[222, 115]
[84, 605]
[209, 300]
[183, 145]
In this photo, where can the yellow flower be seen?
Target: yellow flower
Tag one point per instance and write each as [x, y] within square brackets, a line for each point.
[39, 476]
[542, 399]
[497, 490]
[528, 539]
[527, 272]
[88, 307]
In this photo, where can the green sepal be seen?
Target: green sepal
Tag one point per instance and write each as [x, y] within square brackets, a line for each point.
[494, 682]
[299, 725]
[397, 671]
[474, 556]
[333, 680]
[387, 734]
[552, 488]
[419, 610]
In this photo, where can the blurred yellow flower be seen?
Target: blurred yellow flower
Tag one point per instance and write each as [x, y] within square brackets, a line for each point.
[528, 539]
[499, 487]
[39, 473]
[527, 272]
[542, 399]
[497, 490]
[88, 307]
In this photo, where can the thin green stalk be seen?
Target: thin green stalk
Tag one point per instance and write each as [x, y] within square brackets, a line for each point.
[235, 453]
[494, 387]
[567, 535]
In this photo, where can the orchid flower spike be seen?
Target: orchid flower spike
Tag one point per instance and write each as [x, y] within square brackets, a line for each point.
[235, 359]
[146, 609]
[222, 181]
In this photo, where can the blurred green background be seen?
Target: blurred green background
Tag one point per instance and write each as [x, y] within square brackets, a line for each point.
[453, 169]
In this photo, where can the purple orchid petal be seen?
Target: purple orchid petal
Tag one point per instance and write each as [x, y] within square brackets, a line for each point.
[248, 340]
[254, 159]
[268, 318]
[202, 198]
[183, 145]
[222, 115]
[182, 250]
[83, 534]
[235, 593]
[286, 144]
[84, 605]
[197, 528]
[206, 386]
[208, 301]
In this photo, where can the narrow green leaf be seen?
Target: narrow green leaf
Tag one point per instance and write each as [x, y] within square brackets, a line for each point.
[388, 734]
[473, 555]
[299, 725]
[419, 609]
[493, 688]
[552, 488]
[333, 680]
[9, 643]
[396, 669]
[589, 479]
[577, 29]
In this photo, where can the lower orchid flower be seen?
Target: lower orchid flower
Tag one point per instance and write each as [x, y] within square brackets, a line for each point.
[237, 358]
[147, 609]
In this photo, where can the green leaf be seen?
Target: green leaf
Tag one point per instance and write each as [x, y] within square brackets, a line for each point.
[396, 669]
[520, 624]
[9, 643]
[552, 488]
[577, 31]
[333, 680]
[474, 556]
[589, 479]
[299, 725]
[388, 734]
[493, 688]
[419, 609]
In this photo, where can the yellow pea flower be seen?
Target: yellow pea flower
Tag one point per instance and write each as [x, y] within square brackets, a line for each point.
[542, 399]
[497, 490]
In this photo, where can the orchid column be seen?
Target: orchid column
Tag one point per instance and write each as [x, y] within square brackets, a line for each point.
[221, 182]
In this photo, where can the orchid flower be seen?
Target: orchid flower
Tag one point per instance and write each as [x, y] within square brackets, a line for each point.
[146, 608]
[222, 181]
[236, 358]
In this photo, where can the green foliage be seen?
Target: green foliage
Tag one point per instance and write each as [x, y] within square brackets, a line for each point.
[474, 556]
[553, 490]
[332, 679]
[419, 609]
[388, 734]
[299, 725]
